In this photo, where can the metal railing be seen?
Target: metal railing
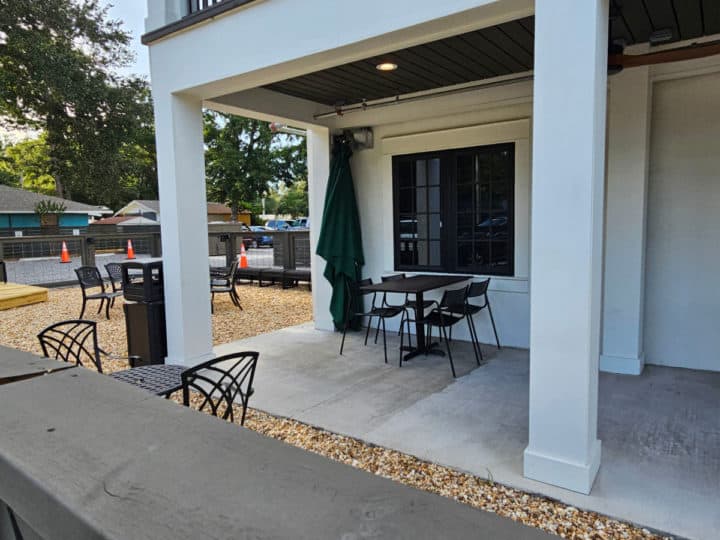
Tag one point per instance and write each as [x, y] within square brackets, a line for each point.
[30, 259]
[198, 5]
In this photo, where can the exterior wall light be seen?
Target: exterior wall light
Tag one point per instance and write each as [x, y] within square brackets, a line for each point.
[386, 66]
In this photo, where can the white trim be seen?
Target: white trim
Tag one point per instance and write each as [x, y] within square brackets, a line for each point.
[137, 203]
[622, 365]
[32, 212]
[563, 473]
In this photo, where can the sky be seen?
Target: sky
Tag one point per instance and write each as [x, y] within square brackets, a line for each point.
[132, 13]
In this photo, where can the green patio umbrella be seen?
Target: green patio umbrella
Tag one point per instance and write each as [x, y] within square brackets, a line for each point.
[340, 242]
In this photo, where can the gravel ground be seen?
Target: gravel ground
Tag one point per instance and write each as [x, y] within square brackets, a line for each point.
[264, 310]
[271, 308]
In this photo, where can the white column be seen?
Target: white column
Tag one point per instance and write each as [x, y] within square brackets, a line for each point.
[567, 233]
[183, 225]
[318, 160]
[624, 277]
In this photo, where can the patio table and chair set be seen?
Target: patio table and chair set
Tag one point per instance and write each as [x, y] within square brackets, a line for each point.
[455, 306]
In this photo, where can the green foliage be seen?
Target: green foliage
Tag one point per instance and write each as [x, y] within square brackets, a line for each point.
[295, 200]
[47, 206]
[58, 60]
[28, 163]
[244, 159]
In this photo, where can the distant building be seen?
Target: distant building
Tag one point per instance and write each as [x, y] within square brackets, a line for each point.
[150, 209]
[17, 211]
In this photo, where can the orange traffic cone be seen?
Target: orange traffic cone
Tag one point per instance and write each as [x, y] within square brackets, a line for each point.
[130, 250]
[64, 254]
[243, 256]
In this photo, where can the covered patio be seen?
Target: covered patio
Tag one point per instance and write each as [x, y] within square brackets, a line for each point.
[598, 118]
[660, 431]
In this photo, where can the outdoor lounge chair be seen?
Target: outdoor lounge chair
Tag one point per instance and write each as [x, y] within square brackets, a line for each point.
[221, 382]
[90, 278]
[75, 341]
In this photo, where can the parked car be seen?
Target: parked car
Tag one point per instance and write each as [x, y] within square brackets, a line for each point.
[278, 224]
[264, 240]
[301, 223]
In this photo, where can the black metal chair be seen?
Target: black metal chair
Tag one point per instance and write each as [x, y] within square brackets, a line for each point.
[114, 272]
[444, 316]
[90, 278]
[75, 341]
[382, 312]
[224, 283]
[479, 289]
[222, 382]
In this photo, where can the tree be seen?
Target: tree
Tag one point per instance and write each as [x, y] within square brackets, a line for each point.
[244, 159]
[28, 164]
[58, 60]
[294, 201]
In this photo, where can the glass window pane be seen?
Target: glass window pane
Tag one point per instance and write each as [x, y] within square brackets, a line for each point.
[406, 198]
[434, 172]
[434, 199]
[464, 197]
[435, 226]
[405, 174]
[420, 172]
[434, 255]
[481, 253]
[464, 254]
[421, 200]
[408, 228]
[422, 226]
[465, 226]
[465, 164]
[422, 253]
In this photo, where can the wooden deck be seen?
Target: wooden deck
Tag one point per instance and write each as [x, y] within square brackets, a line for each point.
[13, 295]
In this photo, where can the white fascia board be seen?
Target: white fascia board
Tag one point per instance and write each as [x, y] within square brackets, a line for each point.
[277, 40]
[137, 204]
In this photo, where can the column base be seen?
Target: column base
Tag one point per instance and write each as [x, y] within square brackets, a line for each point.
[190, 362]
[559, 472]
[624, 365]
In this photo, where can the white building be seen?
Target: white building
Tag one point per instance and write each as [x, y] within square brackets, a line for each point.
[600, 234]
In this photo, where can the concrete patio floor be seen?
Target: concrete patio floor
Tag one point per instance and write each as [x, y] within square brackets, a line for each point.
[660, 431]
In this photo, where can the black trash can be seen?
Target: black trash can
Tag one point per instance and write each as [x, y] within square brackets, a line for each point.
[144, 310]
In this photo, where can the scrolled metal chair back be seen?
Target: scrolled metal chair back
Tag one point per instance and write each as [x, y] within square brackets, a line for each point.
[89, 277]
[114, 272]
[222, 382]
[73, 341]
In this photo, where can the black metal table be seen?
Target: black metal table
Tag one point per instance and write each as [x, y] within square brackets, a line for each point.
[418, 286]
[158, 379]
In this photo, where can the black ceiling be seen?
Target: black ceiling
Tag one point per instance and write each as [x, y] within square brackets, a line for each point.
[490, 52]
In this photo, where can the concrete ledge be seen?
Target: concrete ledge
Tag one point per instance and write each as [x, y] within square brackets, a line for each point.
[623, 365]
[559, 472]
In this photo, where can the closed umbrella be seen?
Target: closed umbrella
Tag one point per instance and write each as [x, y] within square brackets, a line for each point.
[340, 242]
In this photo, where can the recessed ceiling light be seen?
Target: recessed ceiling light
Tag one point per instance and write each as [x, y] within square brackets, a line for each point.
[387, 66]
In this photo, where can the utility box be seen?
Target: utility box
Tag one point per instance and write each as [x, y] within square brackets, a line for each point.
[144, 310]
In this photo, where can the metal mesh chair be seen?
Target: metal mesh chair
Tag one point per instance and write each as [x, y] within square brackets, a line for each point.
[114, 272]
[221, 383]
[444, 316]
[90, 278]
[382, 312]
[75, 341]
[224, 283]
[479, 289]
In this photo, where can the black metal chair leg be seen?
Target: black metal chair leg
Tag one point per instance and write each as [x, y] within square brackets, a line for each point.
[384, 338]
[450, 333]
[212, 302]
[369, 325]
[402, 335]
[474, 339]
[82, 309]
[102, 301]
[447, 345]
[345, 327]
[492, 320]
[377, 330]
[409, 331]
[107, 309]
